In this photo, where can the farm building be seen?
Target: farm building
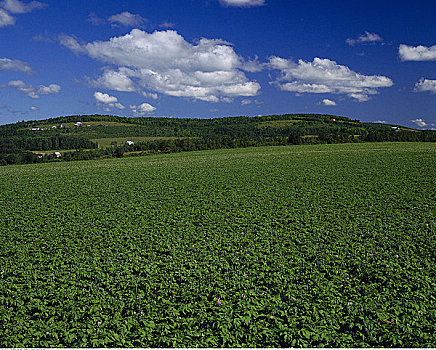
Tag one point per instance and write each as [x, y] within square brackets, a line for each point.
[57, 154]
[130, 143]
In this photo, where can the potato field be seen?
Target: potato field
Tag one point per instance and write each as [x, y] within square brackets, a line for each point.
[294, 246]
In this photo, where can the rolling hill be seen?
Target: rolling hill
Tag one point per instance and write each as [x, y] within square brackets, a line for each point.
[97, 136]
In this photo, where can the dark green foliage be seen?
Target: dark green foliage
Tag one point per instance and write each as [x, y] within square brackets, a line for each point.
[194, 134]
[295, 246]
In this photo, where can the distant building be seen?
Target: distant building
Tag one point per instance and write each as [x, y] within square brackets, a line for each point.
[130, 143]
[78, 124]
[35, 128]
[54, 127]
[62, 126]
[57, 154]
[333, 119]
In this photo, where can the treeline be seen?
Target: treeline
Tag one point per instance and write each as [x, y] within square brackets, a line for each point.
[16, 140]
[208, 143]
[17, 156]
[32, 143]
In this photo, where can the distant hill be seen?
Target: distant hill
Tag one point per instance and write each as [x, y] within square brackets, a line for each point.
[93, 136]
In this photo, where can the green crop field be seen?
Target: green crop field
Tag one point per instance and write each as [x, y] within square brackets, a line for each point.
[303, 246]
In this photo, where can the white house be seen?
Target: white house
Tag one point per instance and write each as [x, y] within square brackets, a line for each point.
[78, 124]
[57, 154]
[130, 143]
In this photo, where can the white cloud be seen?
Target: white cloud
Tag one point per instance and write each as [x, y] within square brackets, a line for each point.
[18, 7]
[327, 102]
[127, 19]
[15, 7]
[245, 102]
[33, 92]
[425, 85]
[417, 53]
[15, 65]
[142, 109]
[163, 62]
[95, 20]
[116, 80]
[107, 101]
[365, 39]
[242, 3]
[33, 108]
[71, 43]
[167, 24]
[420, 122]
[150, 94]
[6, 19]
[326, 76]
[253, 65]
[49, 90]
[381, 121]
[104, 98]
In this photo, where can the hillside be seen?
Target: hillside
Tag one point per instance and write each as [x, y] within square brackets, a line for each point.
[96, 136]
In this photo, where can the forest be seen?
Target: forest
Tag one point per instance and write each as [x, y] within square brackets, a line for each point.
[74, 136]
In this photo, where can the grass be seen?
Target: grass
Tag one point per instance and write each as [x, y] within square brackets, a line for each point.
[304, 246]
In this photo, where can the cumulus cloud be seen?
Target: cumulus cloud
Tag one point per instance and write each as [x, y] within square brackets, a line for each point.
[95, 20]
[8, 7]
[326, 76]
[127, 19]
[425, 85]
[33, 92]
[420, 122]
[107, 101]
[417, 53]
[18, 7]
[71, 43]
[6, 19]
[167, 24]
[15, 65]
[142, 109]
[247, 102]
[327, 102]
[242, 3]
[104, 98]
[115, 80]
[367, 38]
[164, 62]
[49, 90]
[33, 108]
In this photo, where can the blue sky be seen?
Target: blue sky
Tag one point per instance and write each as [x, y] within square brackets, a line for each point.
[369, 60]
